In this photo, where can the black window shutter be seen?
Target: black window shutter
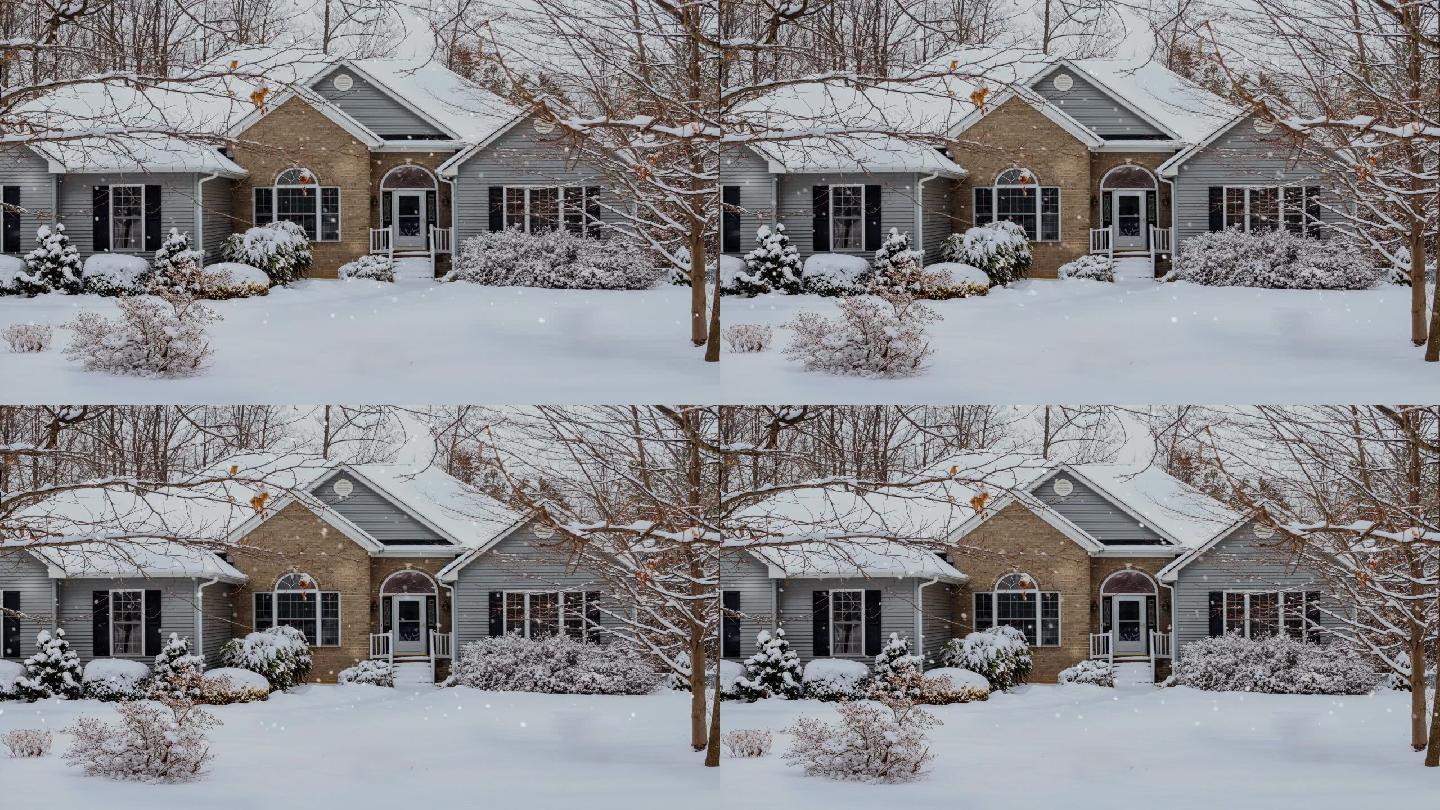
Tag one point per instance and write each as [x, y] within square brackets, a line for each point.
[820, 223]
[873, 642]
[1107, 203]
[592, 209]
[872, 229]
[497, 612]
[730, 219]
[730, 624]
[497, 208]
[1152, 212]
[387, 609]
[10, 625]
[1312, 614]
[100, 623]
[1217, 614]
[820, 623]
[1312, 209]
[592, 614]
[153, 236]
[153, 619]
[1107, 606]
[432, 212]
[1217, 208]
[1152, 617]
[10, 229]
[100, 231]
[431, 608]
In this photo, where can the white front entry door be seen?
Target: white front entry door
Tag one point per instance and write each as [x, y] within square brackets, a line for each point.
[409, 213]
[1130, 221]
[1130, 626]
[409, 624]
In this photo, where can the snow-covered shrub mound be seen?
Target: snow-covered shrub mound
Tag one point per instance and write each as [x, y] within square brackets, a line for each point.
[227, 685]
[1276, 260]
[874, 742]
[10, 673]
[281, 250]
[116, 274]
[748, 742]
[225, 280]
[558, 260]
[1090, 267]
[13, 275]
[1000, 250]
[1091, 671]
[177, 671]
[836, 679]
[155, 741]
[945, 280]
[54, 265]
[896, 263]
[28, 742]
[115, 679]
[875, 336]
[1000, 655]
[1277, 664]
[775, 262]
[54, 671]
[280, 654]
[554, 664]
[731, 673]
[153, 337]
[370, 267]
[176, 264]
[371, 672]
[945, 685]
[28, 337]
[895, 664]
[836, 274]
[773, 671]
[749, 337]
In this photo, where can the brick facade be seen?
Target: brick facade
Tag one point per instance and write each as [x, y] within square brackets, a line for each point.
[1102, 162]
[382, 162]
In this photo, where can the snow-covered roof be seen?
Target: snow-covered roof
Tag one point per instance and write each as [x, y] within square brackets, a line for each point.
[149, 559]
[467, 112]
[1169, 505]
[458, 510]
[872, 560]
[1177, 104]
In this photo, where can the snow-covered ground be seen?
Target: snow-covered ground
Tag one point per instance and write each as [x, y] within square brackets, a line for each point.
[359, 747]
[1081, 747]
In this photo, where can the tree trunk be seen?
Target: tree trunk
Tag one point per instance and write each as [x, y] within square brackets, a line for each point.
[1418, 732]
[712, 749]
[1432, 753]
[698, 730]
[712, 346]
[698, 330]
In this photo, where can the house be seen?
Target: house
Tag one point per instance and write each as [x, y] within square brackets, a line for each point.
[369, 561]
[381, 156]
[1117, 562]
[1111, 156]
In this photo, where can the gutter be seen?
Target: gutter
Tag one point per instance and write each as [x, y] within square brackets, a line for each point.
[199, 648]
[200, 213]
[920, 217]
[920, 616]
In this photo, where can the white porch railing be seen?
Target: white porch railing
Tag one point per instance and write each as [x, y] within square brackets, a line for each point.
[1101, 242]
[381, 241]
[382, 645]
[1101, 647]
[439, 240]
[439, 648]
[1160, 241]
[1161, 646]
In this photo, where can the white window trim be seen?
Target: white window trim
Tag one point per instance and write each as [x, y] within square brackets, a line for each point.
[1039, 612]
[319, 619]
[559, 612]
[1039, 205]
[1279, 611]
[110, 622]
[141, 248]
[560, 203]
[255, 614]
[831, 220]
[339, 215]
[830, 608]
[319, 192]
[1280, 206]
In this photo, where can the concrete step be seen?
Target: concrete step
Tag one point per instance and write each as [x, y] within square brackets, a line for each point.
[413, 673]
[1133, 674]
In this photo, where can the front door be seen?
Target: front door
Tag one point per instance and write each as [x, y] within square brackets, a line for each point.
[1130, 224]
[409, 625]
[409, 220]
[1129, 625]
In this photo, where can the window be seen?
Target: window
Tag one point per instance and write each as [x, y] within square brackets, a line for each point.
[537, 614]
[1018, 197]
[298, 197]
[536, 209]
[847, 217]
[298, 602]
[1018, 602]
[847, 622]
[1258, 614]
[127, 217]
[127, 623]
[1267, 208]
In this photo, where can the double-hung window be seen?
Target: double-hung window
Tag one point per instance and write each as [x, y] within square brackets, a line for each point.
[127, 623]
[1258, 614]
[537, 614]
[847, 218]
[847, 622]
[537, 209]
[1254, 209]
[1019, 198]
[1017, 602]
[298, 197]
[298, 602]
[127, 218]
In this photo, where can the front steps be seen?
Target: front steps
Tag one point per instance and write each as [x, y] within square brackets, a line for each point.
[413, 672]
[413, 267]
[1131, 674]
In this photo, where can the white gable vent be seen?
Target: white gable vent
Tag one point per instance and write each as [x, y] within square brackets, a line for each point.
[1264, 531]
[1063, 82]
[343, 488]
[1063, 487]
[544, 531]
[1264, 126]
[543, 126]
[342, 82]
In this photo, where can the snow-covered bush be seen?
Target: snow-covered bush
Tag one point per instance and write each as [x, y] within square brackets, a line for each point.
[281, 250]
[160, 740]
[115, 679]
[1091, 671]
[836, 274]
[116, 274]
[177, 670]
[1277, 664]
[775, 262]
[28, 742]
[10, 674]
[15, 279]
[946, 685]
[895, 662]
[28, 337]
[1000, 654]
[54, 265]
[749, 337]
[880, 740]
[554, 259]
[153, 337]
[748, 742]
[896, 263]
[225, 685]
[731, 672]
[1090, 267]
[176, 263]
[371, 267]
[225, 280]
[945, 280]
[280, 654]
[1001, 250]
[836, 679]
[773, 671]
[371, 672]
[54, 671]
[1276, 260]
[875, 336]
[554, 664]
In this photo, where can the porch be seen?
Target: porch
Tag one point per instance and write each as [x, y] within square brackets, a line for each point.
[429, 260]
[1130, 232]
[412, 667]
[1130, 618]
[412, 206]
[412, 638]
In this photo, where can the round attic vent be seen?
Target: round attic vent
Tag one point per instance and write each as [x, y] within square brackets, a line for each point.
[1264, 531]
[1063, 487]
[343, 488]
[1264, 126]
[343, 82]
[1063, 82]
[544, 531]
[543, 126]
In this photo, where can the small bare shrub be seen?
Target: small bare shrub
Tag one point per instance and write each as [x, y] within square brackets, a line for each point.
[749, 742]
[28, 742]
[160, 740]
[879, 740]
[749, 337]
[877, 335]
[154, 337]
[28, 337]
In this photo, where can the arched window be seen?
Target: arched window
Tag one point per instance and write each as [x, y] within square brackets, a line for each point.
[297, 196]
[297, 601]
[1128, 581]
[1018, 197]
[1128, 176]
[408, 176]
[1018, 602]
[407, 582]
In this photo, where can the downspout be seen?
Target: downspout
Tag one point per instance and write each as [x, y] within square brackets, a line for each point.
[200, 222]
[920, 227]
[1171, 589]
[920, 615]
[1174, 237]
[199, 648]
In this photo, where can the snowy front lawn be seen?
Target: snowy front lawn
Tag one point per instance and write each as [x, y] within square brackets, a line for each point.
[362, 747]
[1092, 747]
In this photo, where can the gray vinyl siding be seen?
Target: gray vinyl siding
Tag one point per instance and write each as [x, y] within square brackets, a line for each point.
[1240, 562]
[19, 571]
[520, 562]
[77, 203]
[177, 609]
[20, 166]
[1240, 157]
[740, 571]
[1096, 109]
[897, 609]
[897, 204]
[935, 217]
[938, 619]
[375, 514]
[522, 157]
[218, 620]
[375, 108]
[1096, 514]
[217, 203]
[743, 167]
